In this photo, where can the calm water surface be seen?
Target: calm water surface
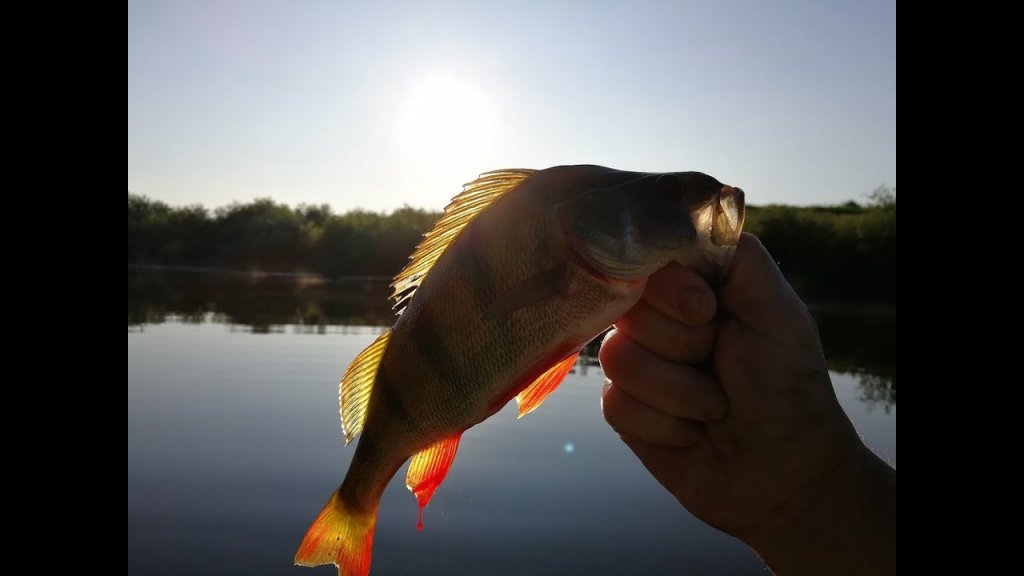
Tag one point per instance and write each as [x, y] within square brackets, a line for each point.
[234, 445]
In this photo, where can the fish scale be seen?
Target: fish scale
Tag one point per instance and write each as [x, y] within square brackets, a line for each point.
[521, 271]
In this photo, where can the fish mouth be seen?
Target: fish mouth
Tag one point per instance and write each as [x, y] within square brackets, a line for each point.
[727, 223]
[613, 238]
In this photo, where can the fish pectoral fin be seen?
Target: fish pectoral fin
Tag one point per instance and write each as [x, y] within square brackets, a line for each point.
[428, 469]
[529, 291]
[534, 395]
[357, 385]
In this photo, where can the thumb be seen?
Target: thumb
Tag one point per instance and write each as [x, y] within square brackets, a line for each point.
[756, 293]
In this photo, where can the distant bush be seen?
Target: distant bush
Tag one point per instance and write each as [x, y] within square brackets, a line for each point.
[834, 253]
[267, 236]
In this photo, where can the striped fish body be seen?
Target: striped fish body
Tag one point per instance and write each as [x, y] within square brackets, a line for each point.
[508, 296]
[461, 349]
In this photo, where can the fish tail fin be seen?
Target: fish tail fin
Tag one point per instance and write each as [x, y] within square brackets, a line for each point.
[341, 535]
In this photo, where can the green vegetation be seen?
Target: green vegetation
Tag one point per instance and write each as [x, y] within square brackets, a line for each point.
[832, 254]
[271, 237]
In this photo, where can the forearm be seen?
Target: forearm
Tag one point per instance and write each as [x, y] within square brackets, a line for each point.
[844, 525]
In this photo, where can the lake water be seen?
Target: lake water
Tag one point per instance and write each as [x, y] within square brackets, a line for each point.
[234, 444]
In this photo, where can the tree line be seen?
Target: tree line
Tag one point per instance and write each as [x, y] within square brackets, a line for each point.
[834, 254]
[267, 236]
[830, 253]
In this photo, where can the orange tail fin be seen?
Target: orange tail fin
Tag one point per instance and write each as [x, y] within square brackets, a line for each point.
[339, 536]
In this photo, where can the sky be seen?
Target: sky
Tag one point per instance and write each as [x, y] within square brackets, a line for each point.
[377, 105]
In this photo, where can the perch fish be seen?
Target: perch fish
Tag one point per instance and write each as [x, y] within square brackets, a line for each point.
[520, 272]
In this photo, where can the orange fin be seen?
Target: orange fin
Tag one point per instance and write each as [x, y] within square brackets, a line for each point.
[474, 199]
[428, 469]
[534, 395]
[339, 536]
[357, 385]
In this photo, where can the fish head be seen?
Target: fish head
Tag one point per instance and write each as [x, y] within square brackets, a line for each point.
[626, 225]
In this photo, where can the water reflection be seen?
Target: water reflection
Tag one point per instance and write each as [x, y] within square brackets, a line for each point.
[233, 443]
[259, 301]
[862, 342]
[857, 342]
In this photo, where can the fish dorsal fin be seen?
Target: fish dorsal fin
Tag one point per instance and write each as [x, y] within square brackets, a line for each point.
[534, 395]
[428, 469]
[356, 386]
[474, 198]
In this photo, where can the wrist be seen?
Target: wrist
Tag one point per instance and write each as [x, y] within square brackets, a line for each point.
[842, 523]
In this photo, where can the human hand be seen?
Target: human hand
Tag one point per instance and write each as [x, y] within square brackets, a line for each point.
[775, 462]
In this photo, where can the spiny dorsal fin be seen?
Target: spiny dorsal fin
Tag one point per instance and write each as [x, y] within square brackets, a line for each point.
[356, 386]
[475, 197]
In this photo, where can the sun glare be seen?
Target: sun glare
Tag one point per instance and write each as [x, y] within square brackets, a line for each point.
[448, 123]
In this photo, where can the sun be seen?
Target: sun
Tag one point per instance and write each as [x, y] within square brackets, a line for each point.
[447, 122]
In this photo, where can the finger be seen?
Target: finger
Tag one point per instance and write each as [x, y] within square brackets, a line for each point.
[680, 294]
[631, 417]
[756, 292]
[677, 390]
[667, 337]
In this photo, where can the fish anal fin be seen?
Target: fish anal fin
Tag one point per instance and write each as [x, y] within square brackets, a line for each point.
[534, 395]
[341, 536]
[428, 469]
[474, 199]
[357, 386]
[529, 291]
